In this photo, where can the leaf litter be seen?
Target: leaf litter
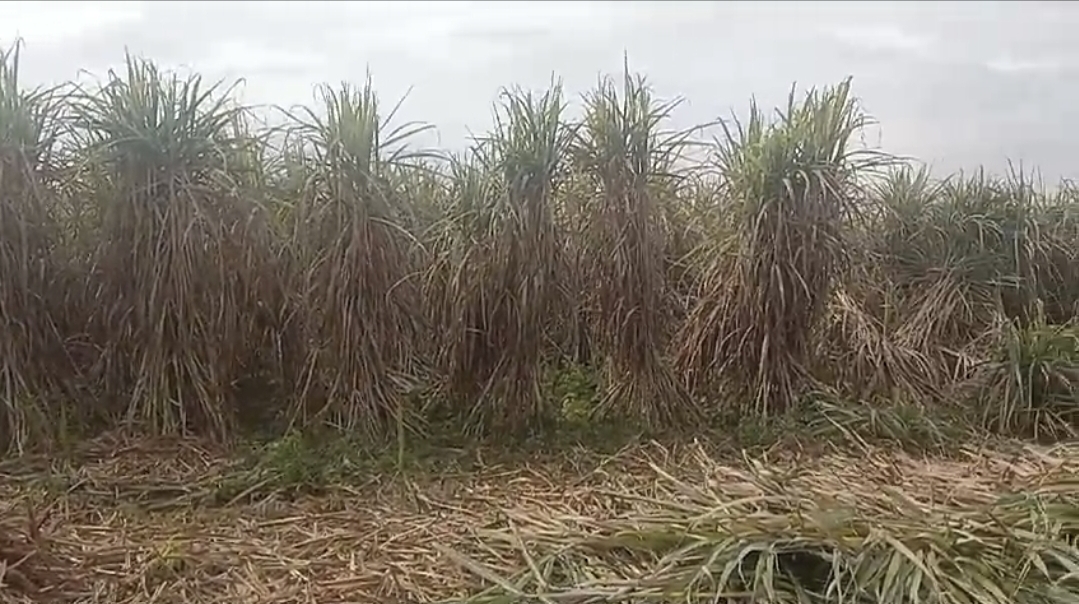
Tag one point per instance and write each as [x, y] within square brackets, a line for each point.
[138, 522]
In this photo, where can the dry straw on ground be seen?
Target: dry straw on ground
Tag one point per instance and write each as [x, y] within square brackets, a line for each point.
[139, 525]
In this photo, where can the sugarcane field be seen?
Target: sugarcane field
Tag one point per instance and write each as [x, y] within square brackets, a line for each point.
[590, 358]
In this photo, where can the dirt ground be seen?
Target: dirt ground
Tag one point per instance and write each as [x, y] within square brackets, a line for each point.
[135, 522]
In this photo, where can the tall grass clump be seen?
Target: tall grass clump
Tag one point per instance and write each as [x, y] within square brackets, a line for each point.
[469, 187]
[954, 254]
[697, 222]
[261, 181]
[32, 356]
[356, 295]
[1029, 386]
[794, 185]
[630, 162]
[1057, 267]
[866, 346]
[506, 291]
[169, 268]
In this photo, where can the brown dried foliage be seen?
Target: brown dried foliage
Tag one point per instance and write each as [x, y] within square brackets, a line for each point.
[507, 285]
[34, 368]
[793, 183]
[352, 273]
[631, 165]
[176, 249]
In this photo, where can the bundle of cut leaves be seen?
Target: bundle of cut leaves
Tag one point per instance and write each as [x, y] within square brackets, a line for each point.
[808, 537]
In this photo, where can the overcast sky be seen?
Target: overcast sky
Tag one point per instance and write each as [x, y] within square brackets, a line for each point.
[957, 84]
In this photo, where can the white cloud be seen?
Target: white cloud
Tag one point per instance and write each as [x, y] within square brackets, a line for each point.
[1008, 64]
[250, 57]
[883, 38]
[918, 58]
[50, 23]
